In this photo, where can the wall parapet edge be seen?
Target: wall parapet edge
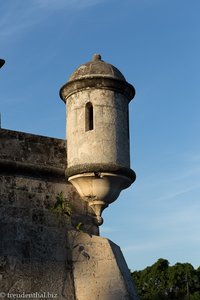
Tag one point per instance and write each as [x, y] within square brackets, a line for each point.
[32, 155]
[15, 167]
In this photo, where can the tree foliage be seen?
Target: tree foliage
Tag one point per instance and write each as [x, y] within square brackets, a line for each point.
[163, 282]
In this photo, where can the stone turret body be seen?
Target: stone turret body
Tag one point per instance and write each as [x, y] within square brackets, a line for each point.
[49, 243]
[98, 156]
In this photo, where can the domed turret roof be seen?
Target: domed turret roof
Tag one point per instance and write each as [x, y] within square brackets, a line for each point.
[97, 74]
[96, 68]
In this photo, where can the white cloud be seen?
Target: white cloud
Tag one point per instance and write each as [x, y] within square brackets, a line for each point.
[17, 17]
[181, 191]
[72, 4]
[193, 170]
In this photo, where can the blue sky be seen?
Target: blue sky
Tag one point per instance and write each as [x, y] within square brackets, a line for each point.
[156, 45]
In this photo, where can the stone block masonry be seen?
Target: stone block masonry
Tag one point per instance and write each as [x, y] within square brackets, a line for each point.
[42, 254]
[104, 273]
[49, 243]
[33, 238]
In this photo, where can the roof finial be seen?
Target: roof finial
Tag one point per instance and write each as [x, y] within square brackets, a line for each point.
[96, 57]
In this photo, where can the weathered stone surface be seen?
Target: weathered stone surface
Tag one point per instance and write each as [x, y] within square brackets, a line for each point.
[33, 149]
[49, 254]
[34, 250]
[37, 251]
[98, 133]
[27, 154]
[97, 74]
[100, 271]
[100, 145]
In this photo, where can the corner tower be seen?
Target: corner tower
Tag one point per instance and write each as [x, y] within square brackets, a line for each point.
[98, 157]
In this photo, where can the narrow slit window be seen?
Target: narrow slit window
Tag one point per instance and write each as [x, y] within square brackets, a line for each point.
[89, 117]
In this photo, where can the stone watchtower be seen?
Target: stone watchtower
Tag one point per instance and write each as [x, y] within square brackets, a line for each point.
[98, 157]
[44, 253]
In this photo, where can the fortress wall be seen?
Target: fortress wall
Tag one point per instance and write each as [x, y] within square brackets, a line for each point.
[42, 253]
[38, 153]
[33, 239]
